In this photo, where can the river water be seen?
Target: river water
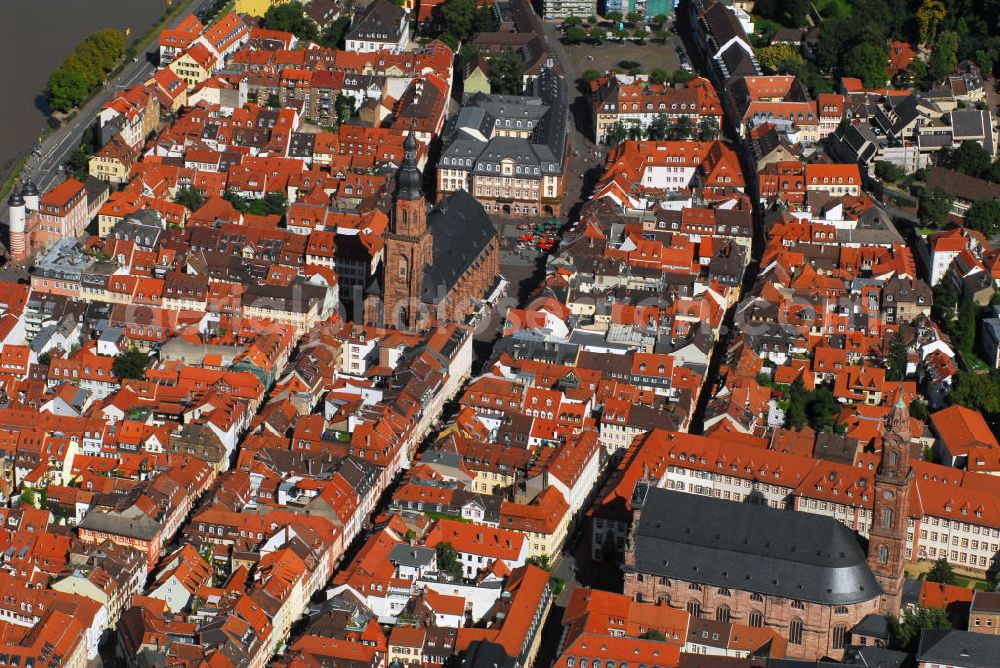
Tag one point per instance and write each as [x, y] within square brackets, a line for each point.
[35, 35]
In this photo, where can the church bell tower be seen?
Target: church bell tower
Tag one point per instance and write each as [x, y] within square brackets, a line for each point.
[409, 245]
[890, 518]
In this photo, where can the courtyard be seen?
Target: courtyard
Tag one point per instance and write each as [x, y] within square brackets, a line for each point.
[610, 55]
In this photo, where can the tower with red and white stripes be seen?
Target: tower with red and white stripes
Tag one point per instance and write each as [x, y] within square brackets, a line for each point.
[17, 213]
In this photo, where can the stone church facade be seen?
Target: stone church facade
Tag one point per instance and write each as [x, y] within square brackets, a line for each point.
[439, 265]
[806, 576]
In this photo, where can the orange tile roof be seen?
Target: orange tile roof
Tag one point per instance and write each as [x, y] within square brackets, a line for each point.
[962, 429]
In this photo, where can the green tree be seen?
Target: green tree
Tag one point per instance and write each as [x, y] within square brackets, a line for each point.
[791, 13]
[89, 52]
[448, 562]
[971, 158]
[333, 36]
[615, 17]
[616, 134]
[130, 363]
[866, 61]
[639, 35]
[189, 197]
[483, 20]
[291, 17]
[654, 634]
[90, 72]
[458, 18]
[576, 35]
[271, 204]
[941, 572]
[934, 204]
[66, 89]
[897, 357]
[833, 38]
[945, 299]
[917, 72]
[591, 75]
[817, 408]
[572, 21]
[542, 562]
[465, 55]
[708, 128]
[111, 44]
[822, 410]
[906, 632]
[984, 216]
[238, 201]
[598, 35]
[680, 129]
[929, 16]
[965, 326]
[795, 414]
[79, 161]
[507, 74]
[944, 58]
[775, 57]
[681, 76]
[658, 128]
[977, 391]
[273, 101]
[620, 34]
[344, 106]
[986, 59]
[919, 410]
[659, 20]
[45, 358]
[888, 171]
[633, 17]
[27, 497]
[659, 76]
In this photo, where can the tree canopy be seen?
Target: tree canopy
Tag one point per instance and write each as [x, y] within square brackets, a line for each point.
[941, 572]
[906, 632]
[969, 158]
[507, 74]
[778, 57]
[84, 69]
[576, 35]
[459, 19]
[334, 35]
[130, 363]
[189, 197]
[897, 358]
[978, 391]
[448, 562]
[291, 17]
[984, 216]
[817, 408]
[933, 206]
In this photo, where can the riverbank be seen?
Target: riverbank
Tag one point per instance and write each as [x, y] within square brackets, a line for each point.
[36, 36]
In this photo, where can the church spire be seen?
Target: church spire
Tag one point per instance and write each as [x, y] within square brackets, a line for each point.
[888, 536]
[409, 178]
[896, 439]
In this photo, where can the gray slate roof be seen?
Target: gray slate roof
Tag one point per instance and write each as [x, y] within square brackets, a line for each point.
[751, 547]
[461, 230]
[414, 556]
[544, 114]
[962, 649]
